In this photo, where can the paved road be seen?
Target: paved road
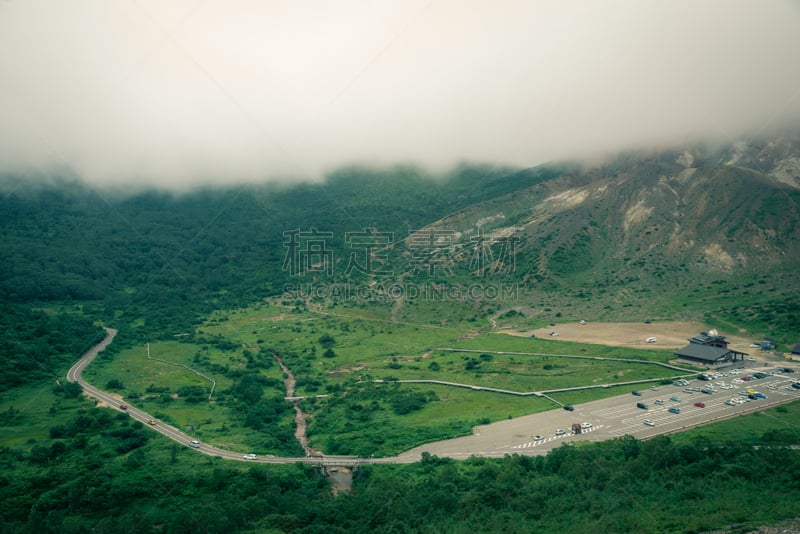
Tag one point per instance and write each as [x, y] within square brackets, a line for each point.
[610, 418]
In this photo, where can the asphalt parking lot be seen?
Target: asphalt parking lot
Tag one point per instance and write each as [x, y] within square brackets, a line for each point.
[618, 416]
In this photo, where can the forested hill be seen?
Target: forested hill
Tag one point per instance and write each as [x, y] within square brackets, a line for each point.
[180, 254]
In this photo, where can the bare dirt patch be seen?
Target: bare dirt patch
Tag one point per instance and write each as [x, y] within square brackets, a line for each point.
[668, 335]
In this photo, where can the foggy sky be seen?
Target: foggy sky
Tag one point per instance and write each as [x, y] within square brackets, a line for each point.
[185, 92]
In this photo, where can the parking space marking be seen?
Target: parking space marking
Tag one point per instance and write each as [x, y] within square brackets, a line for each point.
[553, 438]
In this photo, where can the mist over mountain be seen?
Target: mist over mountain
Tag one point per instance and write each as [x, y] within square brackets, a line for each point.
[699, 222]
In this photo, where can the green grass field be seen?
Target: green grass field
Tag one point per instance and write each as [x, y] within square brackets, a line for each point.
[337, 351]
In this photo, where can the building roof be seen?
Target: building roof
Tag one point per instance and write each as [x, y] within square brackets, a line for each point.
[705, 339]
[703, 352]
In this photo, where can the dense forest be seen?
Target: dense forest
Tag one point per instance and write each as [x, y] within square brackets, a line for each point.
[102, 472]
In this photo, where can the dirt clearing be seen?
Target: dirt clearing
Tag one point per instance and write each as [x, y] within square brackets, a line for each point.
[668, 335]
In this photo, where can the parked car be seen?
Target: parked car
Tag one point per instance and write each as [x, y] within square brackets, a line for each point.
[586, 426]
[560, 431]
[538, 437]
[637, 393]
[569, 407]
[674, 410]
[659, 402]
[641, 405]
[731, 402]
[649, 422]
[700, 404]
[675, 398]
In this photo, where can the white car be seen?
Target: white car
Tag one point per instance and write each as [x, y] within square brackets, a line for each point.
[194, 443]
[586, 426]
[649, 422]
[560, 431]
[249, 457]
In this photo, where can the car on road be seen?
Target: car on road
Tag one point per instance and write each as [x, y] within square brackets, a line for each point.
[649, 422]
[700, 404]
[250, 456]
[152, 422]
[674, 410]
[538, 437]
[194, 443]
[123, 406]
[560, 431]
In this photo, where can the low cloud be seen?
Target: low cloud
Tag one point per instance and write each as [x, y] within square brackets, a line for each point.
[188, 92]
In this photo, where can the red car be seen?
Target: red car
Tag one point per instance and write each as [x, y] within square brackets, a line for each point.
[700, 404]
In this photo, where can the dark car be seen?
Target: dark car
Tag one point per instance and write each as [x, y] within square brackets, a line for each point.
[569, 407]
[700, 404]
[641, 405]
[123, 406]
[637, 393]
[674, 410]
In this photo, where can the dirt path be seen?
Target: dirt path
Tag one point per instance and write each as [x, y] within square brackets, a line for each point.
[299, 415]
[668, 335]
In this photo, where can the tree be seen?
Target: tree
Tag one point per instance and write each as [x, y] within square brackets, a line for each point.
[115, 383]
[327, 340]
